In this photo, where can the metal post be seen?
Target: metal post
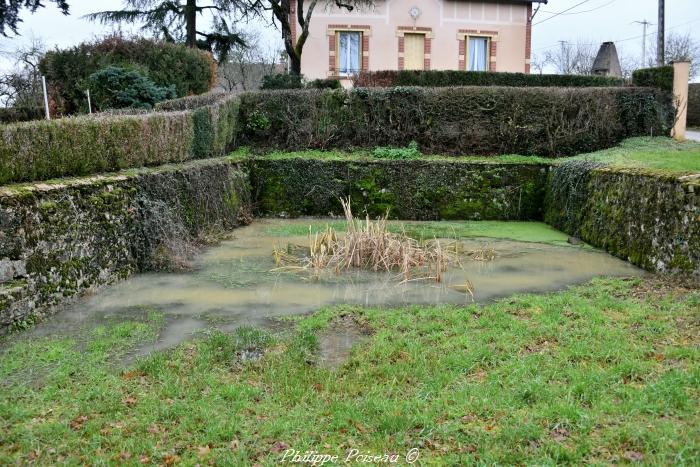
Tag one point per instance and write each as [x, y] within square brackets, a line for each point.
[89, 103]
[644, 43]
[46, 98]
[661, 36]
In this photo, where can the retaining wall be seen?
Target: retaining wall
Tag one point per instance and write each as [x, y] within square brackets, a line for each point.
[407, 189]
[651, 220]
[58, 240]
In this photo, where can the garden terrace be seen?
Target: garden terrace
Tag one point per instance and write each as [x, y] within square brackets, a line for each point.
[48, 227]
[156, 367]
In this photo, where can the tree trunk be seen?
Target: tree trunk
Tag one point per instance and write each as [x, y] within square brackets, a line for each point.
[295, 64]
[191, 23]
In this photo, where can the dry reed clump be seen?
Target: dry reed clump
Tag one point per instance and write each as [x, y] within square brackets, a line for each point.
[369, 245]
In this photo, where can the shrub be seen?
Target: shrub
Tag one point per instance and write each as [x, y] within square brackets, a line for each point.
[191, 71]
[107, 142]
[441, 78]
[465, 120]
[409, 152]
[115, 88]
[329, 83]
[661, 77]
[694, 105]
[282, 81]
[20, 114]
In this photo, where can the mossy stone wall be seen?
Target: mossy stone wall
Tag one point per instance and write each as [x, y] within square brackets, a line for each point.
[408, 189]
[60, 239]
[651, 220]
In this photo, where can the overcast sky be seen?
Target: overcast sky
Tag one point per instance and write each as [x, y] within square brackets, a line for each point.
[593, 21]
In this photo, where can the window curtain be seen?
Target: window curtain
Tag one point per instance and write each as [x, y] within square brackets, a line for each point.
[349, 52]
[477, 53]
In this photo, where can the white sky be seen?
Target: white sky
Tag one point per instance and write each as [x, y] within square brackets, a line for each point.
[608, 20]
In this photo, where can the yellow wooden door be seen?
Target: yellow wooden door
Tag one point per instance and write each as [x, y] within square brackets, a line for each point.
[413, 51]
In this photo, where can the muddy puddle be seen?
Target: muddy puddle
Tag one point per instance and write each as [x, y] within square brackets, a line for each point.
[233, 285]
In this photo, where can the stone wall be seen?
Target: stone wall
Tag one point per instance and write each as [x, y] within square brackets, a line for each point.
[409, 189]
[60, 239]
[651, 220]
[694, 105]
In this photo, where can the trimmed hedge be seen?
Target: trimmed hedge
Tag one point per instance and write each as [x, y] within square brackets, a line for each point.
[85, 145]
[694, 105]
[442, 78]
[20, 114]
[660, 77]
[191, 102]
[464, 121]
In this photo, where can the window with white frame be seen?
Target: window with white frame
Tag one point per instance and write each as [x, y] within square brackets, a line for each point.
[478, 54]
[349, 52]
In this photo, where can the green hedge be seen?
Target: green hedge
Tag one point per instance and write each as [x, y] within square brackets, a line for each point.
[191, 102]
[694, 105]
[191, 71]
[85, 145]
[463, 121]
[440, 78]
[20, 114]
[660, 77]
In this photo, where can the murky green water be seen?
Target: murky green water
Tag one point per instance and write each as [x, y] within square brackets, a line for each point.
[232, 284]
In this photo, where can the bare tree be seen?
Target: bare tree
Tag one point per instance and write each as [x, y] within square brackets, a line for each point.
[245, 67]
[679, 47]
[538, 64]
[628, 63]
[572, 59]
[22, 86]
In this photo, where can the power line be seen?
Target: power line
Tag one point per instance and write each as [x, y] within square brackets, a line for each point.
[627, 38]
[562, 12]
[584, 11]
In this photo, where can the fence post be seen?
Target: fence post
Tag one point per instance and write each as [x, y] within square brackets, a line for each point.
[46, 98]
[681, 76]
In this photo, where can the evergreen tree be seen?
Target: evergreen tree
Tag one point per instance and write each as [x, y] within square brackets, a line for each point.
[9, 12]
[176, 21]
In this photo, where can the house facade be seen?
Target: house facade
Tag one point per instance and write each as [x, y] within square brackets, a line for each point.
[490, 35]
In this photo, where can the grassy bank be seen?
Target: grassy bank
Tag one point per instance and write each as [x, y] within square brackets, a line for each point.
[538, 232]
[646, 153]
[655, 154]
[603, 373]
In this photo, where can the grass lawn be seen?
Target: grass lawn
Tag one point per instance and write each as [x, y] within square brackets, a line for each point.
[602, 373]
[525, 231]
[659, 154]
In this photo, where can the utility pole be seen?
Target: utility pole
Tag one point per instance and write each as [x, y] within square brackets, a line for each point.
[644, 24]
[661, 36]
[564, 57]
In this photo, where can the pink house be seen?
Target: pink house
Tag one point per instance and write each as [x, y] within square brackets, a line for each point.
[488, 35]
